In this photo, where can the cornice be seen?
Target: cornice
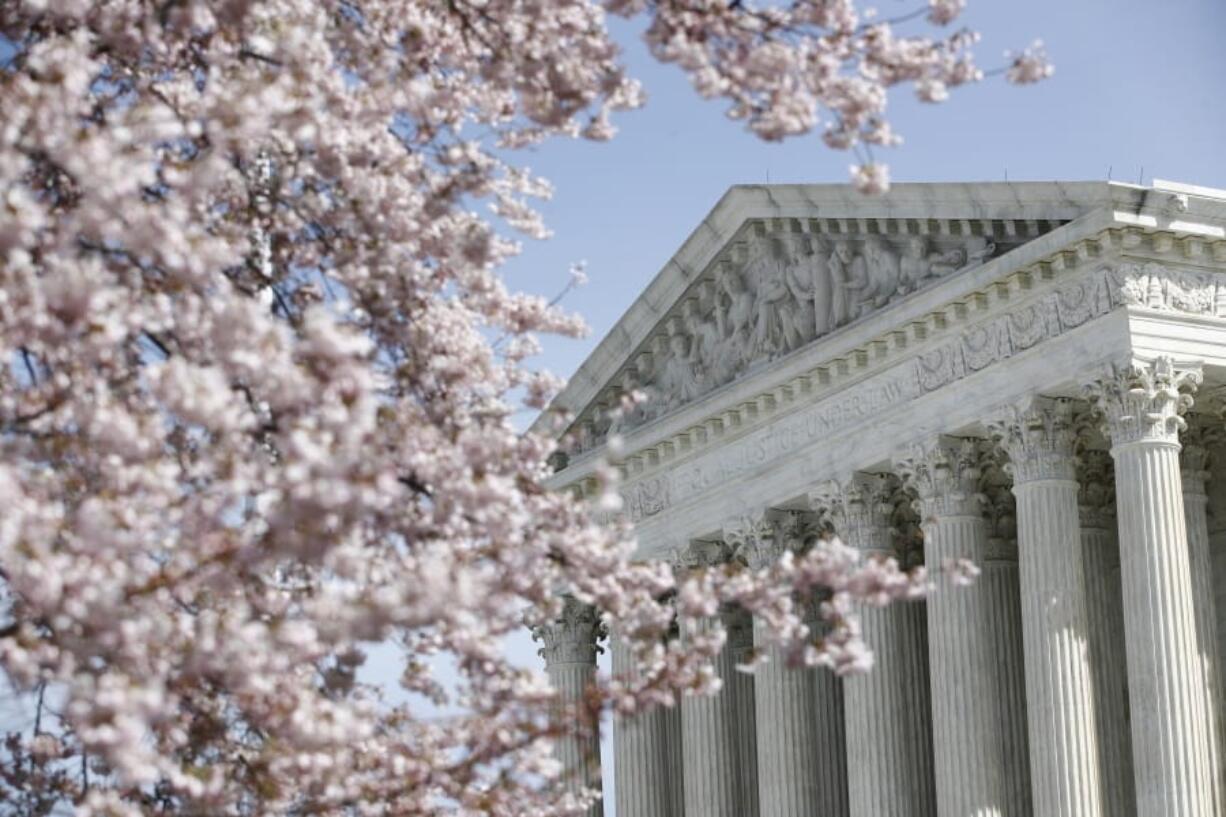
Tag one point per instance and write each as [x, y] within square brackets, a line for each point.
[1116, 269]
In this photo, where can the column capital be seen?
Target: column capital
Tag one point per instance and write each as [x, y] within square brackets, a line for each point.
[571, 637]
[1096, 493]
[760, 538]
[860, 509]
[1040, 437]
[944, 473]
[1143, 402]
[700, 555]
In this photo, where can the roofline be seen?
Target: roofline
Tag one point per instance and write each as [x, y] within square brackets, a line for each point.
[741, 203]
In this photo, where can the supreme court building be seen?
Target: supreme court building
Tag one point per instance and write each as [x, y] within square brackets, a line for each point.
[1028, 375]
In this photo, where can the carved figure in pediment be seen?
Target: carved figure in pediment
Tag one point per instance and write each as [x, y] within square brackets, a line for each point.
[915, 267]
[709, 369]
[883, 270]
[943, 263]
[848, 275]
[979, 249]
[640, 412]
[798, 275]
[810, 281]
[734, 314]
[845, 268]
[677, 383]
[767, 271]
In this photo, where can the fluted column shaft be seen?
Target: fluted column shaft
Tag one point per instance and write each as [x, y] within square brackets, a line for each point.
[1059, 689]
[785, 710]
[793, 764]
[570, 661]
[642, 751]
[709, 743]
[1193, 474]
[740, 642]
[887, 710]
[1105, 611]
[830, 775]
[1171, 752]
[889, 736]
[1039, 438]
[966, 626]
[1001, 583]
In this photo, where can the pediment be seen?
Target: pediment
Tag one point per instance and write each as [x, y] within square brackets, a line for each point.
[774, 271]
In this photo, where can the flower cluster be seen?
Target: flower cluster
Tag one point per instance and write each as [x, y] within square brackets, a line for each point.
[261, 369]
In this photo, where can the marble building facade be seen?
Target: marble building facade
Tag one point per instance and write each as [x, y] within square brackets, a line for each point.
[1028, 375]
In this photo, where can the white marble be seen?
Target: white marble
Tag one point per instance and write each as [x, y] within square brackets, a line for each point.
[645, 780]
[1039, 439]
[1171, 744]
[569, 649]
[968, 630]
[711, 768]
[886, 712]
[801, 760]
[1105, 610]
[767, 380]
[1193, 459]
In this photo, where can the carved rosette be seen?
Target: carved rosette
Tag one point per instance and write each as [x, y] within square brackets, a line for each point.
[571, 637]
[859, 509]
[1202, 434]
[1096, 496]
[1144, 402]
[1039, 436]
[945, 476]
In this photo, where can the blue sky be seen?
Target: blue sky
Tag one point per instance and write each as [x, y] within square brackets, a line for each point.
[1137, 90]
[1138, 85]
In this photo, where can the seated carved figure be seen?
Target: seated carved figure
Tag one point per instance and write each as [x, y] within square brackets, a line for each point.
[915, 267]
[704, 352]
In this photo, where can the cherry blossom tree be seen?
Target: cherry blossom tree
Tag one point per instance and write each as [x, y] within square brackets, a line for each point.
[257, 412]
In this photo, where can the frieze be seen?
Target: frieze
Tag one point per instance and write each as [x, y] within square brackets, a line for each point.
[976, 348]
[648, 496]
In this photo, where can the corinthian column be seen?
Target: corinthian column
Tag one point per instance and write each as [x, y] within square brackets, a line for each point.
[570, 660]
[1194, 460]
[886, 711]
[799, 766]
[966, 627]
[1171, 750]
[644, 777]
[1105, 610]
[1039, 439]
[709, 741]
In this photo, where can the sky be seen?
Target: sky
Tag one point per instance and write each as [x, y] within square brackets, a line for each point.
[1137, 95]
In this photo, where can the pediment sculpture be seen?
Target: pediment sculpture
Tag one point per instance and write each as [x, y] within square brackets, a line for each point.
[787, 290]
